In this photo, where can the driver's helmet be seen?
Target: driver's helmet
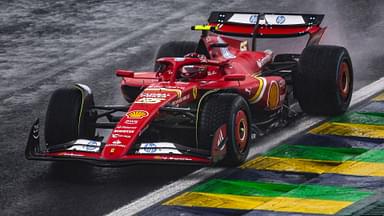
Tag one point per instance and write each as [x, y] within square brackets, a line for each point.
[193, 71]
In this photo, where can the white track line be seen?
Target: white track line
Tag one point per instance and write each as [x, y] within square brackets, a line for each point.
[204, 173]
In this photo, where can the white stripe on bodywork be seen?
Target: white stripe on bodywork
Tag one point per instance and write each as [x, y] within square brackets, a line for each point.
[262, 90]
[158, 148]
[85, 146]
[224, 50]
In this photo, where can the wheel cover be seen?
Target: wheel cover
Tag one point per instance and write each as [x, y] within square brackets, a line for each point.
[241, 130]
[344, 80]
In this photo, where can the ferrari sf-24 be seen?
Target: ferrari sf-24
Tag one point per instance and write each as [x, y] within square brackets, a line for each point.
[205, 102]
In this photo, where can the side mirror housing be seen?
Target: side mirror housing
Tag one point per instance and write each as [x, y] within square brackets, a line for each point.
[125, 73]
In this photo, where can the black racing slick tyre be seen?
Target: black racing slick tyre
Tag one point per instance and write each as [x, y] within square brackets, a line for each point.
[323, 83]
[68, 117]
[232, 110]
[175, 49]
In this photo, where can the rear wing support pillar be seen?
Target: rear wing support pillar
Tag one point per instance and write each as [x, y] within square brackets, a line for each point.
[315, 37]
[255, 31]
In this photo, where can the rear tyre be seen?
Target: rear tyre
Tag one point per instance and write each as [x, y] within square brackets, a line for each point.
[68, 117]
[175, 49]
[323, 83]
[232, 110]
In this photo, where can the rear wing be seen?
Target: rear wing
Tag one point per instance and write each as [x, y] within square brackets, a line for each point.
[265, 25]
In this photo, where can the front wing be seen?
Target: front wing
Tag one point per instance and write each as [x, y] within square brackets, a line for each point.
[75, 151]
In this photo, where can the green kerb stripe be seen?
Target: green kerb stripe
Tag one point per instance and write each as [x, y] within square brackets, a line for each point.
[246, 188]
[315, 153]
[374, 155]
[309, 191]
[368, 118]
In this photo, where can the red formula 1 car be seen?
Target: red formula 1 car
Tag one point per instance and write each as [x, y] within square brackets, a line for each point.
[204, 101]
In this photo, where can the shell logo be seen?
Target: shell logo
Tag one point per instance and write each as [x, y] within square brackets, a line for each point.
[137, 114]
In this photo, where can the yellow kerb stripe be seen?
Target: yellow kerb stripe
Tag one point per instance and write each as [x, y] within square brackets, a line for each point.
[300, 205]
[379, 97]
[281, 204]
[357, 168]
[360, 168]
[290, 164]
[346, 129]
[199, 199]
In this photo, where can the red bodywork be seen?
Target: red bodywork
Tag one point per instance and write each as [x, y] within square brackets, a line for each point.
[229, 65]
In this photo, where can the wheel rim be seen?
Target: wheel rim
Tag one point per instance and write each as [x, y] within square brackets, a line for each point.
[344, 80]
[241, 130]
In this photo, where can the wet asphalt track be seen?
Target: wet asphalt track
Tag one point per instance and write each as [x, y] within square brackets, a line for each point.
[48, 44]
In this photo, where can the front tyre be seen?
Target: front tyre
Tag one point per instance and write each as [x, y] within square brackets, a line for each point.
[233, 111]
[68, 116]
[323, 83]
